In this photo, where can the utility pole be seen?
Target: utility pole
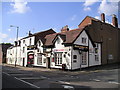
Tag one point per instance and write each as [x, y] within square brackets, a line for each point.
[16, 42]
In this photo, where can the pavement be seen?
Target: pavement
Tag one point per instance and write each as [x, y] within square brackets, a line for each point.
[96, 77]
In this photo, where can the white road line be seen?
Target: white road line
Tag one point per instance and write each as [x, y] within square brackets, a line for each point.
[19, 74]
[6, 73]
[31, 78]
[22, 80]
[27, 82]
[96, 80]
[113, 82]
[64, 82]
[66, 86]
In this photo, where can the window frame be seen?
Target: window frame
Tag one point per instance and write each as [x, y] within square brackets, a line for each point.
[58, 58]
[39, 60]
[84, 58]
[84, 40]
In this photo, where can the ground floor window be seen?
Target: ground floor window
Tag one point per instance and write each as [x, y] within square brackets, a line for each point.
[96, 58]
[58, 58]
[84, 58]
[39, 59]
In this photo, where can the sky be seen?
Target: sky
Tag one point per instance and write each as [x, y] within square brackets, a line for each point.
[41, 16]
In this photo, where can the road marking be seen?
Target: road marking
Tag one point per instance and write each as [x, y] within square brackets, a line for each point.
[27, 82]
[96, 80]
[66, 86]
[41, 77]
[20, 74]
[31, 78]
[64, 82]
[113, 82]
[6, 73]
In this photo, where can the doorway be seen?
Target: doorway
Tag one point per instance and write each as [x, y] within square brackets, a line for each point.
[48, 62]
[23, 61]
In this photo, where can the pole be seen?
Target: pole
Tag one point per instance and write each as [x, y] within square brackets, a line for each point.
[16, 45]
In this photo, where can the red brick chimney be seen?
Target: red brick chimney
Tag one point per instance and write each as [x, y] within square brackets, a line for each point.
[65, 28]
[103, 17]
[114, 20]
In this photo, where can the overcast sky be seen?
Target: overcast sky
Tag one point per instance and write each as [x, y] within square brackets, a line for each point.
[40, 16]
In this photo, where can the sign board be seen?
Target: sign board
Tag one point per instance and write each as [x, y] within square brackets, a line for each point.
[31, 56]
[84, 48]
[60, 50]
[31, 47]
[110, 56]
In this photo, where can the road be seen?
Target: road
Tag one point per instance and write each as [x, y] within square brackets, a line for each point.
[11, 82]
[49, 78]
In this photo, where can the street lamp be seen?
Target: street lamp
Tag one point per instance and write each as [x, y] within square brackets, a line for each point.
[17, 28]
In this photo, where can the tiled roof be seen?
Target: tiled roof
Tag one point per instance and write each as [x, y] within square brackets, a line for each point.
[68, 36]
[41, 35]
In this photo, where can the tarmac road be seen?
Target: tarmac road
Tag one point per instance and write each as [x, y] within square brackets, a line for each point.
[12, 82]
[50, 78]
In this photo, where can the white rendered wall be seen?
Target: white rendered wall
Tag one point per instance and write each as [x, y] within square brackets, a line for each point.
[92, 61]
[65, 51]
[40, 51]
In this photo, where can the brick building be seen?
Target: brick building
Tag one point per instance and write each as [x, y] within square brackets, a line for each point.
[107, 34]
[3, 52]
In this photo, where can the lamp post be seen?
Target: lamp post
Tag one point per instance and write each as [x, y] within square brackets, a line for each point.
[17, 28]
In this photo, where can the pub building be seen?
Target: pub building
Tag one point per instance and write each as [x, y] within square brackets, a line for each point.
[72, 49]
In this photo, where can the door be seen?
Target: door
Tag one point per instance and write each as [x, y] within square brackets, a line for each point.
[23, 61]
[48, 62]
[30, 60]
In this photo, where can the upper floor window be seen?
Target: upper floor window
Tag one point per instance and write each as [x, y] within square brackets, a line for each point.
[39, 44]
[84, 40]
[74, 56]
[23, 49]
[23, 41]
[30, 41]
[58, 41]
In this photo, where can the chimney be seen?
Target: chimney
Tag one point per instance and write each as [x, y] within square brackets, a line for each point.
[65, 28]
[29, 33]
[103, 17]
[114, 20]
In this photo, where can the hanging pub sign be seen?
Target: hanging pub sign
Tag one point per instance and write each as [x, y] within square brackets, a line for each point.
[31, 47]
[79, 47]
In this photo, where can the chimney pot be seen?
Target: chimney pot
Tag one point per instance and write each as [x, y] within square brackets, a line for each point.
[30, 33]
[65, 28]
[114, 20]
[103, 17]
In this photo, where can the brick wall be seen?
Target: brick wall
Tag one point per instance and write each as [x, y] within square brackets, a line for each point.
[108, 35]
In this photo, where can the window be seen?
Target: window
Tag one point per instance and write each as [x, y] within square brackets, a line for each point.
[38, 50]
[83, 40]
[84, 58]
[96, 48]
[58, 58]
[44, 60]
[74, 56]
[58, 41]
[23, 41]
[30, 41]
[96, 58]
[39, 59]
[39, 43]
[23, 49]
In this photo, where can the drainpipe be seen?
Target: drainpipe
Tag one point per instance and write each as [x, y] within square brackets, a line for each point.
[88, 52]
[71, 56]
